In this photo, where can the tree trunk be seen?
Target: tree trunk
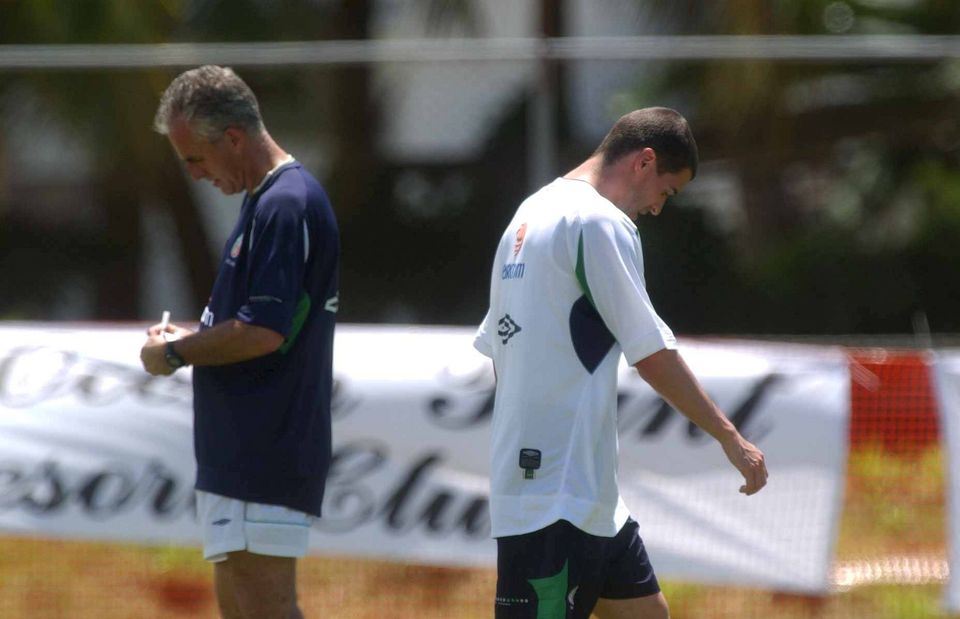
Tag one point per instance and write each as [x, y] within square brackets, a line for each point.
[354, 119]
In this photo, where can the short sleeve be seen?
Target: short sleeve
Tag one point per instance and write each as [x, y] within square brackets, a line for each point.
[482, 341]
[276, 261]
[610, 271]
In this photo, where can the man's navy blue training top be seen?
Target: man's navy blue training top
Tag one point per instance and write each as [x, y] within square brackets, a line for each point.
[262, 427]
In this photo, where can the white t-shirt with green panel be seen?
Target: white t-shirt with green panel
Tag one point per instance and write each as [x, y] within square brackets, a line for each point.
[567, 297]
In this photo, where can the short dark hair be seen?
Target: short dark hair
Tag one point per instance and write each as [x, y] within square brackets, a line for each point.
[664, 130]
[211, 99]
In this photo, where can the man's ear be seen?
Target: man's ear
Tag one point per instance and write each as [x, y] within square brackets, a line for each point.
[236, 137]
[646, 157]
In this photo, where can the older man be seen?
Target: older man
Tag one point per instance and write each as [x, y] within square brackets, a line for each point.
[262, 356]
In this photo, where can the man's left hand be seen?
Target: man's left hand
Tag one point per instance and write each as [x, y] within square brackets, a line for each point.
[153, 358]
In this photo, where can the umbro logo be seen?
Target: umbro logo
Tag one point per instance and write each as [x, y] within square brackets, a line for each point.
[508, 328]
[221, 522]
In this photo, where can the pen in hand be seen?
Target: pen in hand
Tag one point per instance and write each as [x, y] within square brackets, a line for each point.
[164, 321]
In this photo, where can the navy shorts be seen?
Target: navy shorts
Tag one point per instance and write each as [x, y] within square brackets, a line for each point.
[559, 572]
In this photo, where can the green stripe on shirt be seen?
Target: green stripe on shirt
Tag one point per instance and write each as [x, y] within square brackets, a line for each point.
[582, 273]
[299, 319]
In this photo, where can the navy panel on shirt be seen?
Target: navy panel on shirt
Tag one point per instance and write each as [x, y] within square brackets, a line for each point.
[262, 427]
[591, 338]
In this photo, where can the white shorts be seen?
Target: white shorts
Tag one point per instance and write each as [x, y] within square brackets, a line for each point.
[230, 525]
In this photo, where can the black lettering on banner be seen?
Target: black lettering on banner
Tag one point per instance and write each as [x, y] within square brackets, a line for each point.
[746, 417]
[393, 508]
[660, 418]
[468, 402]
[44, 491]
[10, 478]
[650, 417]
[101, 493]
[342, 400]
[347, 503]
[414, 502]
[106, 493]
[475, 519]
[401, 511]
[31, 375]
[162, 489]
[436, 509]
[17, 392]
[443, 411]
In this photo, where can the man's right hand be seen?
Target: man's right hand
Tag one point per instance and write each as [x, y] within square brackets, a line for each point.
[172, 332]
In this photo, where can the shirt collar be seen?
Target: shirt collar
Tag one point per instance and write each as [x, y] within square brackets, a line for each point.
[271, 172]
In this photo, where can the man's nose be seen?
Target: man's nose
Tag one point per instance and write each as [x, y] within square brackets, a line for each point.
[659, 206]
[196, 172]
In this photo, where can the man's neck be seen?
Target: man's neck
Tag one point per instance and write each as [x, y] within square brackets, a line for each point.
[266, 156]
[588, 171]
[605, 181]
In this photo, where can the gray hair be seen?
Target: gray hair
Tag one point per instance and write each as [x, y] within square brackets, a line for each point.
[210, 99]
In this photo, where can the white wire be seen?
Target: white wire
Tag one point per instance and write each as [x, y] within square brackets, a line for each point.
[713, 47]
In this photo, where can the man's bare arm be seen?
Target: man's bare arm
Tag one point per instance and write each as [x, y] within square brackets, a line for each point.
[669, 375]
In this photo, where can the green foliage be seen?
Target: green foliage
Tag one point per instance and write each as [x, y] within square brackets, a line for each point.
[88, 21]
[849, 173]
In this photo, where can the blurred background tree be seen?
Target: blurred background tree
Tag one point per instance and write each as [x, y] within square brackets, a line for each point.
[848, 176]
[842, 218]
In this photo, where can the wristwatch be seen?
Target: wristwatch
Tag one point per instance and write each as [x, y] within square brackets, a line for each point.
[174, 360]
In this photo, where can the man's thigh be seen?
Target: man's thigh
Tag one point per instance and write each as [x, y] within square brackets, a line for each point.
[554, 573]
[561, 572]
[259, 586]
[648, 607]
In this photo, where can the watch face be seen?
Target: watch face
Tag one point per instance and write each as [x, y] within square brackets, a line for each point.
[173, 359]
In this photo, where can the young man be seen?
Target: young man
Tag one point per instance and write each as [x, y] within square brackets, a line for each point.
[263, 354]
[567, 297]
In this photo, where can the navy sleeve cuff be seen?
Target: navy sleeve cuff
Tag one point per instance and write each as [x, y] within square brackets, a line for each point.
[269, 312]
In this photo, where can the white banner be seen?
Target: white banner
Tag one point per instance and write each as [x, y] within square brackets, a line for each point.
[946, 379]
[92, 447]
[791, 401]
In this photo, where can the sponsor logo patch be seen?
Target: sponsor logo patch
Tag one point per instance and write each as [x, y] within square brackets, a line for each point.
[235, 250]
[521, 233]
[508, 328]
[529, 462]
[513, 271]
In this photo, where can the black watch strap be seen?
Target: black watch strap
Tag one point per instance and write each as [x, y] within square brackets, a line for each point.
[174, 360]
